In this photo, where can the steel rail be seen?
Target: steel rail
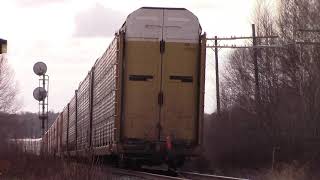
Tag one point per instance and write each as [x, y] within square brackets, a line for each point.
[182, 175]
[143, 175]
[196, 176]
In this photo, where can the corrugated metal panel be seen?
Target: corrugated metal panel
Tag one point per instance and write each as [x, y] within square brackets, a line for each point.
[51, 139]
[65, 122]
[48, 142]
[58, 134]
[104, 97]
[45, 142]
[72, 125]
[83, 114]
[54, 139]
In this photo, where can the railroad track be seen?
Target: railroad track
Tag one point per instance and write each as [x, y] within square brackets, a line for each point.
[142, 175]
[198, 176]
[181, 175]
[159, 174]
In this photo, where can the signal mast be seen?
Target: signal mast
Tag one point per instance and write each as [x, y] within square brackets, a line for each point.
[41, 93]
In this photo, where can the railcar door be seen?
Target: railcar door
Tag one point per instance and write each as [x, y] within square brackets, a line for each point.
[180, 75]
[142, 74]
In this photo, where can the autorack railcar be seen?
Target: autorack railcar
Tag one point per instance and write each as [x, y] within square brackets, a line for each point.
[143, 99]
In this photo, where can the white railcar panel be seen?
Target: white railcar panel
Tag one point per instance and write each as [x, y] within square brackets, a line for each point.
[145, 24]
[180, 26]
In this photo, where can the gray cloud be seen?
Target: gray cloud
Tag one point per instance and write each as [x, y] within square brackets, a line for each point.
[98, 21]
[37, 2]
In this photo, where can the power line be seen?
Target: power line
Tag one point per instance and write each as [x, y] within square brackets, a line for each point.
[254, 46]
[245, 47]
[309, 30]
[307, 43]
[240, 37]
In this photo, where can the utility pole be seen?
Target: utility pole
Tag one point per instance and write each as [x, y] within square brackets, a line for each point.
[256, 69]
[3, 46]
[217, 75]
[3, 49]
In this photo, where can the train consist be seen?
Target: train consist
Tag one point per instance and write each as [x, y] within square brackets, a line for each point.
[143, 99]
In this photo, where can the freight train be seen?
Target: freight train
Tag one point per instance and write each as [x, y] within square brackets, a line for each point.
[143, 99]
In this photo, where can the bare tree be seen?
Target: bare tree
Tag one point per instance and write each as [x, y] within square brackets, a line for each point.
[8, 89]
[301, 63]
[289, 79]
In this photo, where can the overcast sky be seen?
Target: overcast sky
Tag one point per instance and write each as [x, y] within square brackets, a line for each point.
[69, 35]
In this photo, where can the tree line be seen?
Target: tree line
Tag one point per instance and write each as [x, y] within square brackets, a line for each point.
[286, 123]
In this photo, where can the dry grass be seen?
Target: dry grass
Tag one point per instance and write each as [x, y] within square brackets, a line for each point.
[286, 172]
[283, 171]
[16, 165]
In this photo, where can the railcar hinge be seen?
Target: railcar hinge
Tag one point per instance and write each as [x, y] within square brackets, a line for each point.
[162, 46]
[160, 98]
